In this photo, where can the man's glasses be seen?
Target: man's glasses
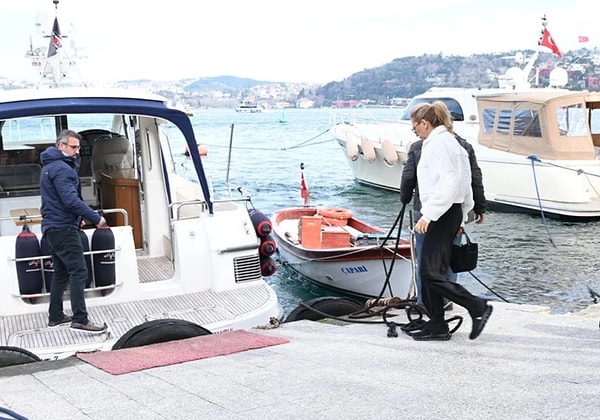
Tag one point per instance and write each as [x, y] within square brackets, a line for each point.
[72, 146]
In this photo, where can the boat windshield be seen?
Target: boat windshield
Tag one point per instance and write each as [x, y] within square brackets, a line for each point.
[23, 139]
[454, 107]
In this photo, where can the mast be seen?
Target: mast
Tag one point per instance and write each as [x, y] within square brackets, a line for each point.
[53, 62]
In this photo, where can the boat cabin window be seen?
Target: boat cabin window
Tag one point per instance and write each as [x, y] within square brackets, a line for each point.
[595, 120]
[489, 116]
[504, 121]
[527, 123]
[572, 121]
[23, 139]
[454, 107]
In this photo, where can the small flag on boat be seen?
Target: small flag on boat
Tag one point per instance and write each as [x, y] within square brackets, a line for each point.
[547, 41]
[584, 38]
[55, 39]
[304, 193]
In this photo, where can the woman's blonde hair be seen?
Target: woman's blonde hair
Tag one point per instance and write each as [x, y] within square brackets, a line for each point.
[435, 114]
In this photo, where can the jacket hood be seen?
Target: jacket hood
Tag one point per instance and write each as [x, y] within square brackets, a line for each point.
[52, 154]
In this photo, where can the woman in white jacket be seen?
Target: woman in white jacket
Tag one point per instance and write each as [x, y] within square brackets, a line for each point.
[444, 179]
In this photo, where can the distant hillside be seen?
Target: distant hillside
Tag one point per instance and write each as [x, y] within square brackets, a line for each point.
[408, 76]
[223, 83]
[402, 78]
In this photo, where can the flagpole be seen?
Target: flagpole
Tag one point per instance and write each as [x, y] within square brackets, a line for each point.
[304, 192]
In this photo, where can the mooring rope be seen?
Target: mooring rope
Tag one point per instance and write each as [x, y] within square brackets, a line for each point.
[305, 143]
[534, 159]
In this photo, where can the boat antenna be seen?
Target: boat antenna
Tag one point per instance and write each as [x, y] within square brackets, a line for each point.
[529, 66]
[229, 160]
[304, 191]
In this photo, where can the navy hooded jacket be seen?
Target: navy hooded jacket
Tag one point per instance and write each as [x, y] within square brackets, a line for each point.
[62, 205]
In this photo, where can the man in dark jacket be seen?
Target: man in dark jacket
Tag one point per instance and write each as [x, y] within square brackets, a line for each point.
[62, 212]
[409, 186]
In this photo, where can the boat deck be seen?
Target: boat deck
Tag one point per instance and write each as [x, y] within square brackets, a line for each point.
[154, 269]
[203, 308]
[290, 228]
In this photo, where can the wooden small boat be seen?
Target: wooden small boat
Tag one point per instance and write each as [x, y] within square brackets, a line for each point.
[332, 248]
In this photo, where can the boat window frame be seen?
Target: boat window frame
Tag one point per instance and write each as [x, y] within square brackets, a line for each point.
[504, 121]
[572, 120]
[488, 120]
[527, 123]
[452, 104]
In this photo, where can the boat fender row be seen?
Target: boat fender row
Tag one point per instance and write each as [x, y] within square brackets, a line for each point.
[352, 141]
[29, 273]
[366, 145]
[266, 249]
[34, 274]
[260, 221]
[263, 228]
[267, 246]
[268, 266]
[368, 150]
[390, 156]
[104, 262]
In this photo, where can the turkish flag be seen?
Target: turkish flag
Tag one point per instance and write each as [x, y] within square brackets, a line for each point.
[583, 38]
[304, 193]
[55, 39]
[547, 41]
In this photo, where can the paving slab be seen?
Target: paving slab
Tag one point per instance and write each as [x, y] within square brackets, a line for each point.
[527, 364]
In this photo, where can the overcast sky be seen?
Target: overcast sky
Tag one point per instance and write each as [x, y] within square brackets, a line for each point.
[281, 40]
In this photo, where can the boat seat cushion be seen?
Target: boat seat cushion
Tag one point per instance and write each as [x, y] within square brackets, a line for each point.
[109, 153]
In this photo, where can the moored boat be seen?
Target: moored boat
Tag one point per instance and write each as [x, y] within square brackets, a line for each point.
[332, 248]
[173, 253]
[251, 107]
[538, 149]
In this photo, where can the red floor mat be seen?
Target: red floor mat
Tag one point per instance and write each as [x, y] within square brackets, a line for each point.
[163, 354]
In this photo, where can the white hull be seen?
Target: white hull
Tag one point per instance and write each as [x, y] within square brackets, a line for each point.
[359, 268]
[562, 187]
[178, 253]
[364, 278]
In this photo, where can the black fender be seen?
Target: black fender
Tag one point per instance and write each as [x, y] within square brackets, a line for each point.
[159, 331]
[10, 356]
[333, 306]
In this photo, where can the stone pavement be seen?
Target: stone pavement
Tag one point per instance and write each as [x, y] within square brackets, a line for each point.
[527, 364]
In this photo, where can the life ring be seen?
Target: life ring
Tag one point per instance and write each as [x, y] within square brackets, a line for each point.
[368, 149]
[202, 150]
[335, 216]
[332, 306]
[335, 213]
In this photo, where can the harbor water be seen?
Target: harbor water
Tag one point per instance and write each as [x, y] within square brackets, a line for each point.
[523, 258]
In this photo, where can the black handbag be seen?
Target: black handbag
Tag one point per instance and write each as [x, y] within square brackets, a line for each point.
[464, 256]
